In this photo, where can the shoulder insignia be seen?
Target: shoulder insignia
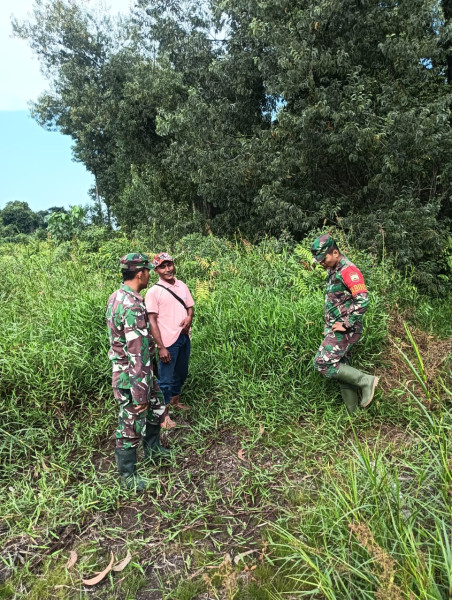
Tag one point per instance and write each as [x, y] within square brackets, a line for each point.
[354, 280]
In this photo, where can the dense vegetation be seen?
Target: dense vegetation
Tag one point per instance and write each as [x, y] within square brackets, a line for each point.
[261, 116]
[273, 491]
[265, 123]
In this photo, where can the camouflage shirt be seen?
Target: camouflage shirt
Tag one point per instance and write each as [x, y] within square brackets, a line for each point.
[132, 347]
[346, 297]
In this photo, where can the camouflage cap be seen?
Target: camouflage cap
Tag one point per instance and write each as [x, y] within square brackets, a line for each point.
[135, 262]
[321, 246]
[158, 259]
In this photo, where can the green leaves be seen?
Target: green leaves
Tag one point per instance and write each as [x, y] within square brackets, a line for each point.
[263, 117]
[63, 226]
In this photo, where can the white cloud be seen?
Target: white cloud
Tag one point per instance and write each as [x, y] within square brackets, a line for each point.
[21, 80]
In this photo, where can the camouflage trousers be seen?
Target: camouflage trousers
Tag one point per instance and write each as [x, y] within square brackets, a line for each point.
[335, 348]
[131, 423]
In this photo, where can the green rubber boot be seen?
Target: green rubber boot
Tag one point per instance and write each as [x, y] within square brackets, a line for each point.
[349, 395]
[367, 383]
[151, 443]
[126, 461]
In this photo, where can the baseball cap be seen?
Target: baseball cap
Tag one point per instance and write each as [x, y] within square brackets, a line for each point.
[321, 246]
[134, 262]
[158, 259]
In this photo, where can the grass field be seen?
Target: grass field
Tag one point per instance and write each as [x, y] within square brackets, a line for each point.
[273, 492]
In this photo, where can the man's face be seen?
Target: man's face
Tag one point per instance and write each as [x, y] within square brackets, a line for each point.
[166, 271]
[330, 260]
[143, 278]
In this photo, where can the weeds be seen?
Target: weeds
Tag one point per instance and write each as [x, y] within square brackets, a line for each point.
[274, 493]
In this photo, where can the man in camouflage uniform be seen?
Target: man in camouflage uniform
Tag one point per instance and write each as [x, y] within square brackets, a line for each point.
[140, 400]
[346, 301]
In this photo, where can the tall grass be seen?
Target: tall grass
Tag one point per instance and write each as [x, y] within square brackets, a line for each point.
[378, 525]
[355, 515]
[259, 320]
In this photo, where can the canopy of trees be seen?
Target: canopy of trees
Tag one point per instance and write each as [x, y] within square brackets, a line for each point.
[269, 116]
[17, 218]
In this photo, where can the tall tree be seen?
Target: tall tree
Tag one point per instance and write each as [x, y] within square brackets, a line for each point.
[18, 217]
[363, 134]
[262, 116]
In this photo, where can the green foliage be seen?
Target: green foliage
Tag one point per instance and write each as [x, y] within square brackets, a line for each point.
[252, 302]
[267, 117]
[17, 217]
[337, 497]
[64, 226]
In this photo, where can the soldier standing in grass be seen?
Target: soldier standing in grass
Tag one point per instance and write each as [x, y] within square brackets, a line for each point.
[346, 302]
[141, 403]
[170, 307]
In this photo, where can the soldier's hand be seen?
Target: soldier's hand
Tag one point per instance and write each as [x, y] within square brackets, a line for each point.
[142, 407]
[338, 326]
[164, 355]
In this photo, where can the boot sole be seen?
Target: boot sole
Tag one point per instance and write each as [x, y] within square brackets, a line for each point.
[376, 380]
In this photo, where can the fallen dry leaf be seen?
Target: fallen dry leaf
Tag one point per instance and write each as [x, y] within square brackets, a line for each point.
[120, 566]
[261, 429]
[61, 586]
[100, 575]
[240, 454]
[72, 559]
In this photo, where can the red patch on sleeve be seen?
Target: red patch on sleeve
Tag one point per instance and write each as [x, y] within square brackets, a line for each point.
[354, 280]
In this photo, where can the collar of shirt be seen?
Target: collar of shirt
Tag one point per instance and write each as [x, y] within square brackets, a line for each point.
[341, 262]
[163, 282]
[129, 290]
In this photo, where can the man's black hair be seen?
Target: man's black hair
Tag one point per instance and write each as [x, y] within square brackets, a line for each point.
[128, 275]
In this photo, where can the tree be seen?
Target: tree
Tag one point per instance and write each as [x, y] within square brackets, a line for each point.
[362, 136]
[63, 226]
[76, 54]
[19, 218]
[263, 116]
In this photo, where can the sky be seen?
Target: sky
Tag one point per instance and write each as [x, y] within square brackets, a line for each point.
[36, 165]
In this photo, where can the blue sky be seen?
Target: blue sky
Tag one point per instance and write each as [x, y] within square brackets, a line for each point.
[36, 165]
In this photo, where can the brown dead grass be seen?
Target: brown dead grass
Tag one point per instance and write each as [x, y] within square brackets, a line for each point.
[385, 565]
[436, 355]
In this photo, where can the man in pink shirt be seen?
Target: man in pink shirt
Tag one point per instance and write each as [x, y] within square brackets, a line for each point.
[170, 307]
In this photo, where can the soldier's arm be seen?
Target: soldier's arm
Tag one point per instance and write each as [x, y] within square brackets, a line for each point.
[357, 309]
[354, 280]
[139, 353]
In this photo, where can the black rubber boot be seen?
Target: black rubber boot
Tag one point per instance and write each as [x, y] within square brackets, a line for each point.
[126, 461]
[151, 443]
[349, 395]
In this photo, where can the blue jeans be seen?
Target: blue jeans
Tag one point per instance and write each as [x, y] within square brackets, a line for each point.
[172, 375]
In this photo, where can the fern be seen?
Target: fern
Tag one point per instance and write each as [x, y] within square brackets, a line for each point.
[203, 263]
[300, 282]
[304, 255]
[202, 291]
[304, 277]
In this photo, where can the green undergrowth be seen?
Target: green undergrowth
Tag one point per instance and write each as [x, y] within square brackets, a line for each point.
[258, 324]
[273, 492]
